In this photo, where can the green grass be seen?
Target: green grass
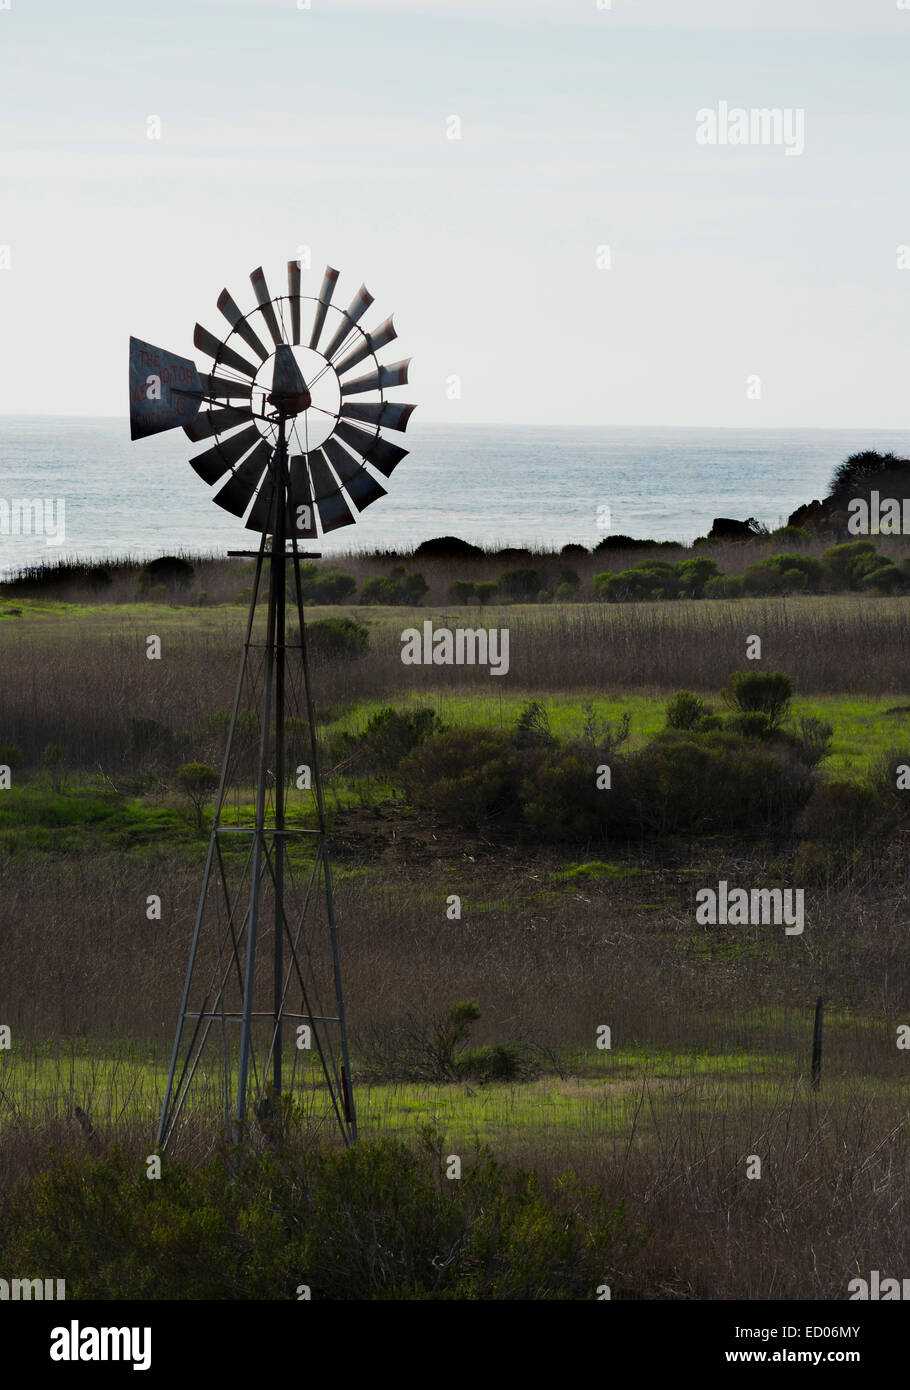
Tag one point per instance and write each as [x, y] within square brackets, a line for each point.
[863, 730]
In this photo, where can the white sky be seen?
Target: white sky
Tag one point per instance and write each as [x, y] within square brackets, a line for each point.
[326, 128]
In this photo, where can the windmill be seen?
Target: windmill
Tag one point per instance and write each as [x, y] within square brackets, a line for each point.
[292, 442]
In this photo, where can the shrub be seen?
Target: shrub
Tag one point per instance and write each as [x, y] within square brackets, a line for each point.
[843, 563]
[168, 572]
[150, 738]
[484, 589]
[762, 692]
[566, 593]
[10, 754]
[336, 639]
[629, 586]
[573, 549]
[569, 578]
[520, 585]
[466, 775]
[198, 782]
[694, 574]
[724, 586]
[812, 570]
[390, 735]
[533, 725]
[885, 579]
[447, 548]
[396, 590]
[841, 815]
[364, 1223]
[685, 710]
[791, 535]
[322, 586]
[762, 579]
[462, 590]
[689, 782]
[621, 543]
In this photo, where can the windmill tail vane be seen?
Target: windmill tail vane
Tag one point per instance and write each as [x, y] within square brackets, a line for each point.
[293, 443]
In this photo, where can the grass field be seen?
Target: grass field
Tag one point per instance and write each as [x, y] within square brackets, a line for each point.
[711, 1026]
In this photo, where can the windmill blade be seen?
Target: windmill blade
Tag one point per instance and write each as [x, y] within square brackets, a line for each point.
[209, 422]
[236, 493]
[355, 311]
[301, 511]
[360, 486]
[222, 354]
[240, 326]
[375, 450]
[327, 289]
[372, 342]
[385, 413]
[260, 517]
[261, 290]
[294, 297]
[395, 375]
[224, 390]
[215, 462]
[333, 509]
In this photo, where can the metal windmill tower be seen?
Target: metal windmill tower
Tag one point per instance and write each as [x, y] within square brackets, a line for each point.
[295, 438]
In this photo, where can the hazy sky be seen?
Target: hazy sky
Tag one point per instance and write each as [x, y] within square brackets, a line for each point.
[327, 128]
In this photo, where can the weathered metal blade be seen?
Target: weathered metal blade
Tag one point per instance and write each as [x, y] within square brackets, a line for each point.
[372, 342]
[224, 390]
[355, 311]
[324, 481]
[394, 375]
[261, 290]
[327, 289]
[385, 413]
[223, 355]
[294, 297]
[215, 462]
[261, 512]
[287, 378]
[236, 493]
[165, 390]
[358, 483]
[209, 422]
[301, 511]
[240, 326]
[374, 450]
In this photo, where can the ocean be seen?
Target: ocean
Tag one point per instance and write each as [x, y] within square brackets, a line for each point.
[491, 484]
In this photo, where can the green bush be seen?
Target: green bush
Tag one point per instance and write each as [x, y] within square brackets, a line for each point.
[685, 710]
[198, 782]
[724, 586]
[336, 639]
[694, 574]
[762, 580]
[812, 571]
[791, 535]
[466, 775]
[364, 1223]
[390, 735]
[887, 578]
[630, 586]
[396, 590]
[10, 754]
[566, 593]
[760, 692]
[462, 591]
[484, 589]
[845, 563]
[168, 572]
[697, 783]
[520, 585]
[322, 586]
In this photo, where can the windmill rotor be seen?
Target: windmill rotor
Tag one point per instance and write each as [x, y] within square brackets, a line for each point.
[269, 374]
